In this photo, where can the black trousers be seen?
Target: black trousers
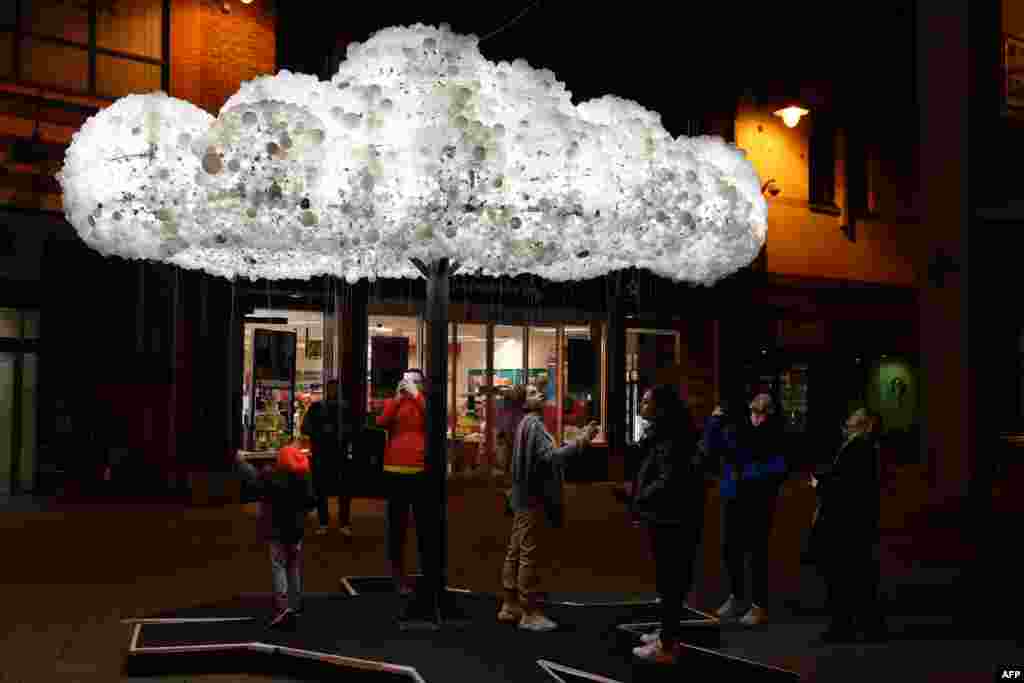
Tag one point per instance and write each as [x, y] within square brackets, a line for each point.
[674, 548]
[411, 492]
[327, 474]
[747, 519]
[849, 565]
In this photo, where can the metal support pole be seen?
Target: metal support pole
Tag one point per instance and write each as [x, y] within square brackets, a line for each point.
[437, 442]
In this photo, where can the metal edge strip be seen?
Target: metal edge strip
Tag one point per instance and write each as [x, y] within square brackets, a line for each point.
[642, 625]
[739, 659]
[348, 587]
[366, 664]
[135, 638]
[184, 620]
[548, 671]
[170, 649]
[549, 665]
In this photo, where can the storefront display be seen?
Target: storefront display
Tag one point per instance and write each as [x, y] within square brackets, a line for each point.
[272, 392]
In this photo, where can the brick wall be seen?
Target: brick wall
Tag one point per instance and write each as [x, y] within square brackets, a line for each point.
[212, 53]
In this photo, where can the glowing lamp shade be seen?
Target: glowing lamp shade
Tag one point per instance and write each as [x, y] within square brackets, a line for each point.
[791, 115]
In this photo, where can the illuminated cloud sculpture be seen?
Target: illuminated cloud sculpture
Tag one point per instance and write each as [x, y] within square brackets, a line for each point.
[418, 148]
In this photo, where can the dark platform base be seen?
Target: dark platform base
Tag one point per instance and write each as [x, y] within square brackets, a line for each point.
[358, 637]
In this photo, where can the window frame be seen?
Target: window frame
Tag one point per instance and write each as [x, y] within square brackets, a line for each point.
[92, 49]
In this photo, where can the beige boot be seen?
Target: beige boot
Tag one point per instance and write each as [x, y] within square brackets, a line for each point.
[510, 612]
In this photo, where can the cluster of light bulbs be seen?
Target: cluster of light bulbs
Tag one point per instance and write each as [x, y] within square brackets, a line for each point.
[418, 148]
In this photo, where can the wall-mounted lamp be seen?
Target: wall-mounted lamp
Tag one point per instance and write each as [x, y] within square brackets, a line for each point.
[791, 115]
[770, 188]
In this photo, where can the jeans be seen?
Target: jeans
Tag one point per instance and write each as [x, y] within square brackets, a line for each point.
[326, 471]
[748, 527]
[286, 567]
[674, 548]
[407, 492]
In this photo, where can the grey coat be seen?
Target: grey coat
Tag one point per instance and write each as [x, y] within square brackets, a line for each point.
[538, 468]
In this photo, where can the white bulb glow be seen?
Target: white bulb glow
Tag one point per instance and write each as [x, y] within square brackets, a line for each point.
[417, 148]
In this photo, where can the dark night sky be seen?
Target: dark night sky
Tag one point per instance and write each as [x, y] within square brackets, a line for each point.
[673, 61]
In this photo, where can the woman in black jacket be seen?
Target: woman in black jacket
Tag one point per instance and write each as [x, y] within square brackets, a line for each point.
[668, 500]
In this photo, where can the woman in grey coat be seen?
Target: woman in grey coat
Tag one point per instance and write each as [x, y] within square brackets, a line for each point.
[538, 472]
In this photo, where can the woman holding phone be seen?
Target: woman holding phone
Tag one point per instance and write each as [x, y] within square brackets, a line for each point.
[405, 479]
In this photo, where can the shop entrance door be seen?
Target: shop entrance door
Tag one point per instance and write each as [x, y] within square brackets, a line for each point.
[18, 378]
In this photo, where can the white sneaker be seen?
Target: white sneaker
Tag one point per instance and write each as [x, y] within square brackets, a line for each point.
[651, 637]
[346, 531]
[755, 616]
[731, 608]
[537, 622]
[321, 531]
[648, 651]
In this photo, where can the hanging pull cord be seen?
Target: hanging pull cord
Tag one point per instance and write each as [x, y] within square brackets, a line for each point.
[510, 22]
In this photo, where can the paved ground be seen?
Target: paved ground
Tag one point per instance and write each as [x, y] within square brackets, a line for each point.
[72, 572]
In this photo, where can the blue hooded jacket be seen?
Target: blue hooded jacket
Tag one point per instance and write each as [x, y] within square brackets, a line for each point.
[751, 454]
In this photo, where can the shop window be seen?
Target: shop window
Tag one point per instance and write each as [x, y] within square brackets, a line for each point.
[54, 65]
[582, 382]
[105, 49]
[393, 349]
[131, 26]
[821, 165]
[543, 371]
[117, 77]
[469, 376]
[652, 356]
[56, 19]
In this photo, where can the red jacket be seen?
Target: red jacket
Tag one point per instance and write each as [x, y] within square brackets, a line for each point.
[405, 418]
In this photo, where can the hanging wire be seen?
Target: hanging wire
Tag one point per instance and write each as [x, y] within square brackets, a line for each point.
[511, 21]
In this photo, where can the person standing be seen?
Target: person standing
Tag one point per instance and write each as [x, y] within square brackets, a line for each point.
[752, 473]
[846, 533]
[408, 489]
[668, 499]
[329, 436]
[538, 474]
[286, 496]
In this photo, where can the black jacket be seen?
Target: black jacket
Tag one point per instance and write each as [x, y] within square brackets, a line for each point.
[669, 486]
[849, 493]
[285, 499]
[326, 430]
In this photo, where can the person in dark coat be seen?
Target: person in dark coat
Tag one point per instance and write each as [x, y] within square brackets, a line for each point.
[668, 499]
[286, 497]
[754, 467]
[846, 533]
[329, 436]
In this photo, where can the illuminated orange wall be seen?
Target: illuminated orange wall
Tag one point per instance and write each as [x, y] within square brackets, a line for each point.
[212, 52]
[804, 243]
